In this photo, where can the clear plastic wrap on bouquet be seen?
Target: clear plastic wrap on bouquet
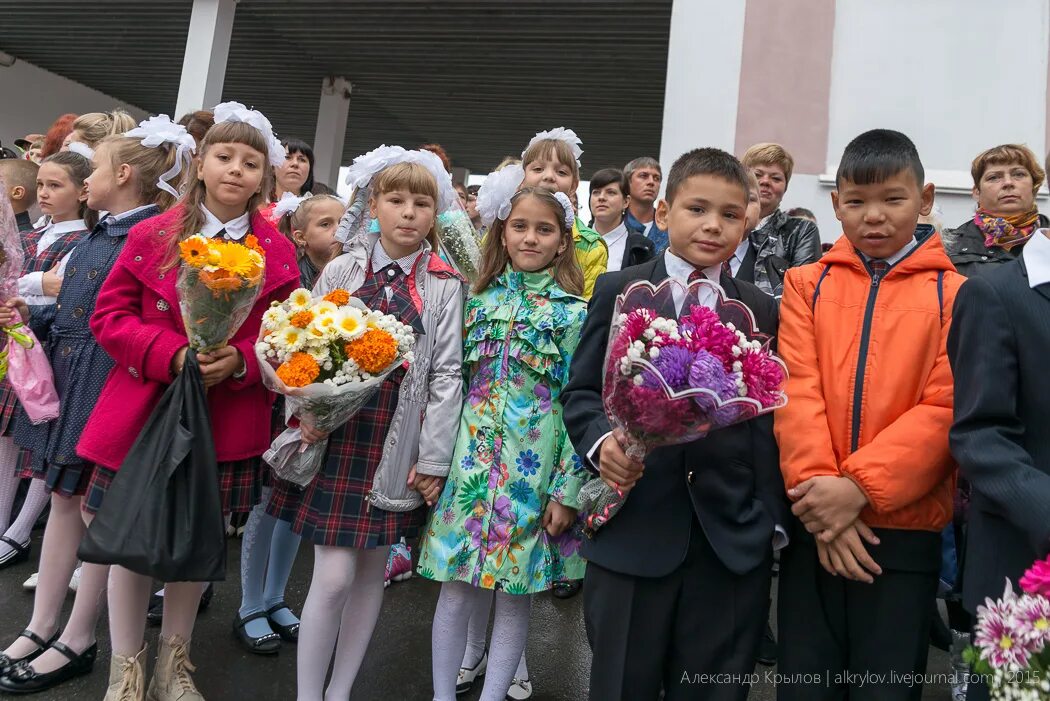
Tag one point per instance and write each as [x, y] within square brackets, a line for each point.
[325, 407]
[216, 300]
[672, 378]
[11, 258]
[332, 354]
[460, 241]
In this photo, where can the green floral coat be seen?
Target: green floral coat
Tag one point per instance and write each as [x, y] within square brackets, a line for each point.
[512, 453]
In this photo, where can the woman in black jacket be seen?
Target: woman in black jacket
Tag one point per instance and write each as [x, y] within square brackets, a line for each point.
[1005, 180]
[608, 202]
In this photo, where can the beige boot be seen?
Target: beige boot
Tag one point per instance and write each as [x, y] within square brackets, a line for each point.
[127, 679]
[171, 677]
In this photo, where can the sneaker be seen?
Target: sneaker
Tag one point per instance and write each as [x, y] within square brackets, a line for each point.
[30, 584]
[74, 581]
[520, 689]
[398, 565]
[467, 677]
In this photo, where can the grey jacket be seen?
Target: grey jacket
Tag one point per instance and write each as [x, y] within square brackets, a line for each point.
[425, 422]
[965, 246]
[783, 242]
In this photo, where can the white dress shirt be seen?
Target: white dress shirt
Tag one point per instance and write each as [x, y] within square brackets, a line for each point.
[738, 257]
[1036, 255]
[235, 228]
[616, 241]
[31, 285]
[381, 259]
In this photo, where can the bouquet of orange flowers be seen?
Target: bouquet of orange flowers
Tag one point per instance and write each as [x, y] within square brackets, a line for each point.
[219, 282]
[327, 356]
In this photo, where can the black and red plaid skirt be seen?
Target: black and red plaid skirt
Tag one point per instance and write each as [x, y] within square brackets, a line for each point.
[239, 486]
[335, 509]
[8, 407]
[285, 499]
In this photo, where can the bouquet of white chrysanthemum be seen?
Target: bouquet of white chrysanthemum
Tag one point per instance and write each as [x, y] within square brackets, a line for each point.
[327, 356]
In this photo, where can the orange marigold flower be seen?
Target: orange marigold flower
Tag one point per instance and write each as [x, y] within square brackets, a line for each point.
[299, 370]
[301, 320]
[337, 297]
[373, 352]
[253, 243]
[194, 252]
[220, 281]
[488, 581]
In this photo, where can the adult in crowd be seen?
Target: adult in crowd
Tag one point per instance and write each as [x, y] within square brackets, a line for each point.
[802, 213]
[472, 206]
[296, 175]
[780, 241]
[89, 129]
[643, 185]
[609, 200]
[1005, 180]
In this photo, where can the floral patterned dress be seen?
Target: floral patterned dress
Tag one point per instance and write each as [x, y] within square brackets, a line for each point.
[512, 452]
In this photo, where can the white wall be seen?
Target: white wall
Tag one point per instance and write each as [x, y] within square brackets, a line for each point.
[957, 76]
[33, 98]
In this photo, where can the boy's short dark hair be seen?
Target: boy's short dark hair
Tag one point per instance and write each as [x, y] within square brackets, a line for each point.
[706, 161]
[877, 155]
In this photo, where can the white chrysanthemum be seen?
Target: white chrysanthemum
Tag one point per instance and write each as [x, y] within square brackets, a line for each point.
[324, 307]
[291, 339]
[323, 327]
[300, 299]
[274, 318]
[350, 323]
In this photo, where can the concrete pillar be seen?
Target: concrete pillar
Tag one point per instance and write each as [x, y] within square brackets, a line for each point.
[207, 48]
[332, 114]
[704, 53]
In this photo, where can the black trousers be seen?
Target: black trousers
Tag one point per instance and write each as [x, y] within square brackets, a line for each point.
[693, 633]
[841, 639]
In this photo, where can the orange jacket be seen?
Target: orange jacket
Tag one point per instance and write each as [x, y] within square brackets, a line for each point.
[870, 388]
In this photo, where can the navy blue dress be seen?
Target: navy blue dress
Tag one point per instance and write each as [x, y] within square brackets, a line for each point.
[78, 362]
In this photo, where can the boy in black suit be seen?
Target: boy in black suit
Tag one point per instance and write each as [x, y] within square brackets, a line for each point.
[998, 350]
[677, 581]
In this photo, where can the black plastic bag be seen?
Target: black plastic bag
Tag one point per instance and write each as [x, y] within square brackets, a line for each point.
[162, 515]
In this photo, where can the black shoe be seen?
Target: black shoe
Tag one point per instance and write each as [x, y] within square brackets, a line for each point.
[19, 552]
[155, 614]
[8, 664]
[289, 633]
[23, 680]
[567, 590]
[268, 644]
[767, 649]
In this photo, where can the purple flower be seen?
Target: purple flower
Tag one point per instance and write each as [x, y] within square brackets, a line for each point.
[995, 635]
[543, 393]
[1032, 617]
[708, 372]
[473, 526]
[673, 365]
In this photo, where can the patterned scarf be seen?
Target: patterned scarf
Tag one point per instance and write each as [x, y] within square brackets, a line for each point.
[1006, 232]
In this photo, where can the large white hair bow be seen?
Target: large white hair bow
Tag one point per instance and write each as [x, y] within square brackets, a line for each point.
[495, 193]
[366, 166]
[161, 130]
[560, 134]
[236, 112]
[287, 205]
[81, 149]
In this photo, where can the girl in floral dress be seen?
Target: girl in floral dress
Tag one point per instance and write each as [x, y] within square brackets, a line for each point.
[510, 497]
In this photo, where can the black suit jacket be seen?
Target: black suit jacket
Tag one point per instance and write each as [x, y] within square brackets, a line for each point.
[639, 249]
[998, 346]
[730, 480]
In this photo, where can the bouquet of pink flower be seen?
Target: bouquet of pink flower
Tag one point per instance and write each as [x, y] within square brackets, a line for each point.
[672, 379]
[1010, 639]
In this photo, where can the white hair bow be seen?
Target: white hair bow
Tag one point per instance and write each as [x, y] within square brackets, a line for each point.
[287, 205]
[81, 149]
[161, 130]
[566, 205]
[236, 112]
[560, 134]
[495, 193]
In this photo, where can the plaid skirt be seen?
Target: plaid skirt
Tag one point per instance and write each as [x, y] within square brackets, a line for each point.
[335, 509]
[285, 499]
[239, 486]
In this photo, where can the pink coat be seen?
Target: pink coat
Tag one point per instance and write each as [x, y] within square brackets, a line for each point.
[137, 321]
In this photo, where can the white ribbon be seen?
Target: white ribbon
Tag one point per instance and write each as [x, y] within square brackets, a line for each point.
[566, 204]
[560, 134]
[236, 112]
[287, 205]
[495, 193]
[159, 130]
[81, 149]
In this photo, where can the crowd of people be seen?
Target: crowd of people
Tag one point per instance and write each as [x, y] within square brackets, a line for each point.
[907, 465]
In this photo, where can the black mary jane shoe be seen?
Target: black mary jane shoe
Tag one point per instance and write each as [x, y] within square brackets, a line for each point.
[23, 680]
[19, 552]
[7, 664]
[288, 633]
[567, 590]
[268, 644]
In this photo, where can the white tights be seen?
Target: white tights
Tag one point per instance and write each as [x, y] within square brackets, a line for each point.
[348, 581]
[510, 629]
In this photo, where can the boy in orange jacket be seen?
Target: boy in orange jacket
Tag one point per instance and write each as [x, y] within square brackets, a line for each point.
[864, 437]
